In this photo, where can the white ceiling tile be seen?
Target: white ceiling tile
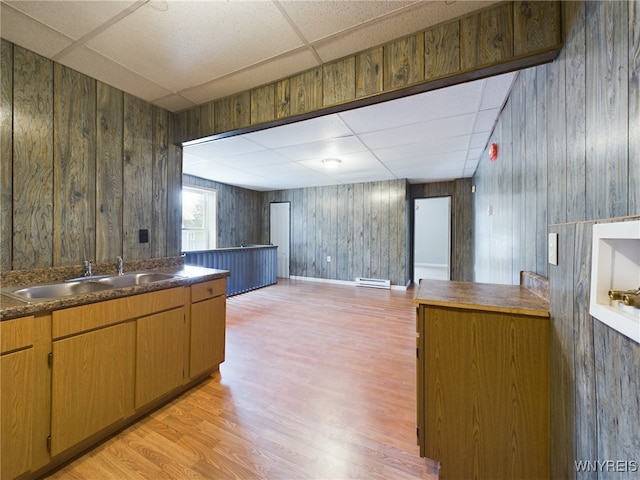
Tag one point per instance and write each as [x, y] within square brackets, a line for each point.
[245, 79]
[479, 140]
[30, 34]
[485, 120]
[250, 161]
[420, 132]
[436, 104]
[89, 62]
[494, 95]
[72, 18]
[180, 36]
[333, 147]
[174, 103]
[337, 15]
[316, 129]
[224, 147]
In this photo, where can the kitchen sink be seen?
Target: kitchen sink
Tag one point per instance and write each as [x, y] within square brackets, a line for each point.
[134, 278]
[55, 290]
[52, 291]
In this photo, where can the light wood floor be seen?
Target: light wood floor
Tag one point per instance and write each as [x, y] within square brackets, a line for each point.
[318, 383]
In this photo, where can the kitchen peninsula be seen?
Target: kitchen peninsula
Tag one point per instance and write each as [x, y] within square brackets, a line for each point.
[483, 379]
[78, 368]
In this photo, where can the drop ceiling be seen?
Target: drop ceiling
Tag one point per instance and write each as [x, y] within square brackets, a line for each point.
[178, 54]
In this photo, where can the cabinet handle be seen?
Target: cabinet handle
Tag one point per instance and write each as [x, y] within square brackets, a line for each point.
[210, 290]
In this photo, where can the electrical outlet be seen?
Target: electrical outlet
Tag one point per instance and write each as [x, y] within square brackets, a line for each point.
[328, 258]
[143, 236]
[553, 248]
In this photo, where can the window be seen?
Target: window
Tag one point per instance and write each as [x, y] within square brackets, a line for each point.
[198, 219]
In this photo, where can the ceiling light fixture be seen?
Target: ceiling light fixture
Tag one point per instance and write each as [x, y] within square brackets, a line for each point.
[331, 163]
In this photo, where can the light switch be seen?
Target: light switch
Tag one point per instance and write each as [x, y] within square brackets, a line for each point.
[553, 248]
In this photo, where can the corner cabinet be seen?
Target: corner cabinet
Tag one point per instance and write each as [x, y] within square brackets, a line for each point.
[208, 325]
[483, 380]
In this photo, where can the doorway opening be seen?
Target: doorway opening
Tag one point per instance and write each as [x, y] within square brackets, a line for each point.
[432, 239]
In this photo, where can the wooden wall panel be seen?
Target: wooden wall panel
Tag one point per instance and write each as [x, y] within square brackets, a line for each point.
[584, 121]
[138, 176]
[109, 164]
[556, 142]
[32, 160]
[369, 72]
[574, 59]
[306, 92]
[483, 43]
[515, 149]
[207, 119]
[618, 396]
[442, 50]
[634, 107]
[529, 207]
[536, 26]
[263, 104]
[233, 113]
[585, 372]
[561, 306]
[339, 81]
[283, 98]
[174, 197]
[160, 172]
[6, 154]
[486, 38]
[404, 62]
[542, 182]
[358, 225]
[607, 109]
[74, 171]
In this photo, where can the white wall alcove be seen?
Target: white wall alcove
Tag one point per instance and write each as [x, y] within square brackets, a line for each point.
[616, 266]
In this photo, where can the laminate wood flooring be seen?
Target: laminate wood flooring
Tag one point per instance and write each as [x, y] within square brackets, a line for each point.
[319, 382]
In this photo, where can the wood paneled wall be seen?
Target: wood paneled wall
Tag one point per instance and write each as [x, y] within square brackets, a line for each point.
[461, 222]
[84, 167]
[362, 226]
[568, 142]
[239, 212]
[497, 39]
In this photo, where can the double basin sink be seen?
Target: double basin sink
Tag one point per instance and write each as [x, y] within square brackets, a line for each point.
[85, 285]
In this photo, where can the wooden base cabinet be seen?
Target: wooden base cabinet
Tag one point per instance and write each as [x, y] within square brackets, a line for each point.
[90, 383]
[159, 355]
[208, 324]
[16, 403]
[483, 390]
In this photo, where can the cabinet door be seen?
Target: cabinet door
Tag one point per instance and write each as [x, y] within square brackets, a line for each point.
[90, 383]
[160, 353]
[16, 375]
[207, 335]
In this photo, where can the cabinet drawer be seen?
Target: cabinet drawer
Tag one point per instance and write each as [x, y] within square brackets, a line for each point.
[88, 317]
[210, 289]
[16, 334]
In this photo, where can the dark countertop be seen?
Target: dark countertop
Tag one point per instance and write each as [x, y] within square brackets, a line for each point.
[187, 275]
[481, 296]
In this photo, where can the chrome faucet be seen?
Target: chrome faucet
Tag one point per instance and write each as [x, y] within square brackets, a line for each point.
[87, 268]
[120, 266]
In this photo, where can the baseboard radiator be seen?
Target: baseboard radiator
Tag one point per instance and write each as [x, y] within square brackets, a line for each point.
[373, 283]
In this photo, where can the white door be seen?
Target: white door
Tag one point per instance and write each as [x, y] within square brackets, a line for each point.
[432, 239]
[279, 225]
